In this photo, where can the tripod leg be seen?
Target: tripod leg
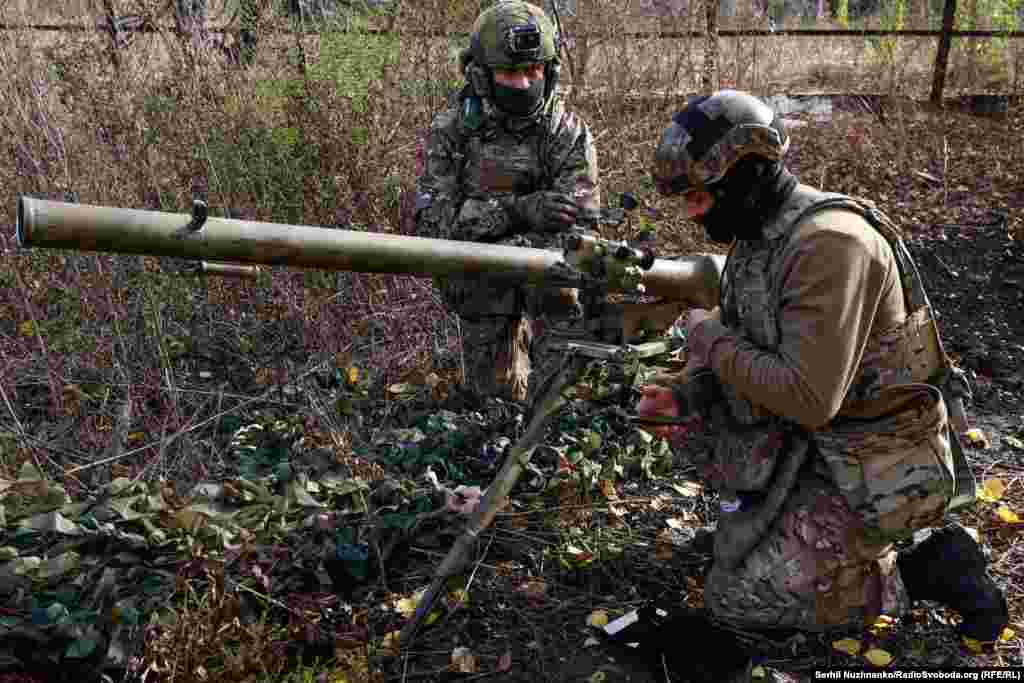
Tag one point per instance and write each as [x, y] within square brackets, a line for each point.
[519, 456]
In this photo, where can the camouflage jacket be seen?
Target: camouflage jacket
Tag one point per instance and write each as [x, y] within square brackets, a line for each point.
[471, 165]
[814, 340]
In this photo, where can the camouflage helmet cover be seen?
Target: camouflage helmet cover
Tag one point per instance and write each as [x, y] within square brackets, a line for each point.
[512, 34]
[710, 135]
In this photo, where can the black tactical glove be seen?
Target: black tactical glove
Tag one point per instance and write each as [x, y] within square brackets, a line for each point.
[544, 211]
[697, 393]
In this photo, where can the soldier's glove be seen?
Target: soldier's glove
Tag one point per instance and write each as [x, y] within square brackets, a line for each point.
[544, 211]
[697, 393]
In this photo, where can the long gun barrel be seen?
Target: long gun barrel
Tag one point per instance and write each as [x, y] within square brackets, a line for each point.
[61, 225]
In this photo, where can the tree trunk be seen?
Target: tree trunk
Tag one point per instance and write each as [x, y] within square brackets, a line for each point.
[942, 55]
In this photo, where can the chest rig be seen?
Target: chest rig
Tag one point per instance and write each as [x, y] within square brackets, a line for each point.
[912, 352]
[498, 156]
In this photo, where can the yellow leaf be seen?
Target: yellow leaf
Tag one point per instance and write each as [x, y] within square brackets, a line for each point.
[847, 645]
[974, 645]
[597, 618]
[598, 677]
[878, 657]
[882, 624]
[976, 438]
[992, 490]
[27, 328]
[1015, 443]
[407, 606]
[458, 598]
[758, 672]
[353, 376]
[1007, 515]
[391, 642]
[1007, 634]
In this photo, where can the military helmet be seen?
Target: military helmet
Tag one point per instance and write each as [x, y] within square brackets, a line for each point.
[512, 34]
[710, 135]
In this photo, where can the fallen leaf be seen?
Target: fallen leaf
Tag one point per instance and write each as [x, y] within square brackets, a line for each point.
[973, 645]
[1007, 515]
[690, 489]
[463, 660]
[597, 618]
[391, 643]
[663, 546]
[882, 624]
[407, 606]
[464, 499]
[992, 490]
[847, 645]
[976, 438]
[878, 657]
[534, 588]
[458, 599]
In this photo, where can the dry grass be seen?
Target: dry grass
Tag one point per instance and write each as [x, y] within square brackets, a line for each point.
[328, 132]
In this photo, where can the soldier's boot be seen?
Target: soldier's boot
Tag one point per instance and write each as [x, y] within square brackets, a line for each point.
[949, 568]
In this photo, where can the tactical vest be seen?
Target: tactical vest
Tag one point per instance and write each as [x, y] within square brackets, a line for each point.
[901, 470]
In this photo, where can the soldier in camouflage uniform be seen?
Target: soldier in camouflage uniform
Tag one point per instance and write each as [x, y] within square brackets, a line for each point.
[506, 164]
[828, 440]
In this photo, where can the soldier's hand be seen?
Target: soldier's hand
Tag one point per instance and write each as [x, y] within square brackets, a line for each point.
[659, 401]
[547, 211]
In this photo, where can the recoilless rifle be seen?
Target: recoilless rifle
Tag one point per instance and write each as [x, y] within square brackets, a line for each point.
[594, 265]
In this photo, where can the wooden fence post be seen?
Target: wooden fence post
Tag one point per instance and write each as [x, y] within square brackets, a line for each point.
[942, 54]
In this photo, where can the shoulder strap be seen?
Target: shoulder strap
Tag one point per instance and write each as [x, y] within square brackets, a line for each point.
[951, 379]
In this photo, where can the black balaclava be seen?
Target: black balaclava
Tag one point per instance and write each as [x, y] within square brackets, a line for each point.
[747, 197]
[519, 102]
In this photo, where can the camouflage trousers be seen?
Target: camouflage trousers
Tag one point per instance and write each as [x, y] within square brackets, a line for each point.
[505, 333]
[496, 353]
[813, 570]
